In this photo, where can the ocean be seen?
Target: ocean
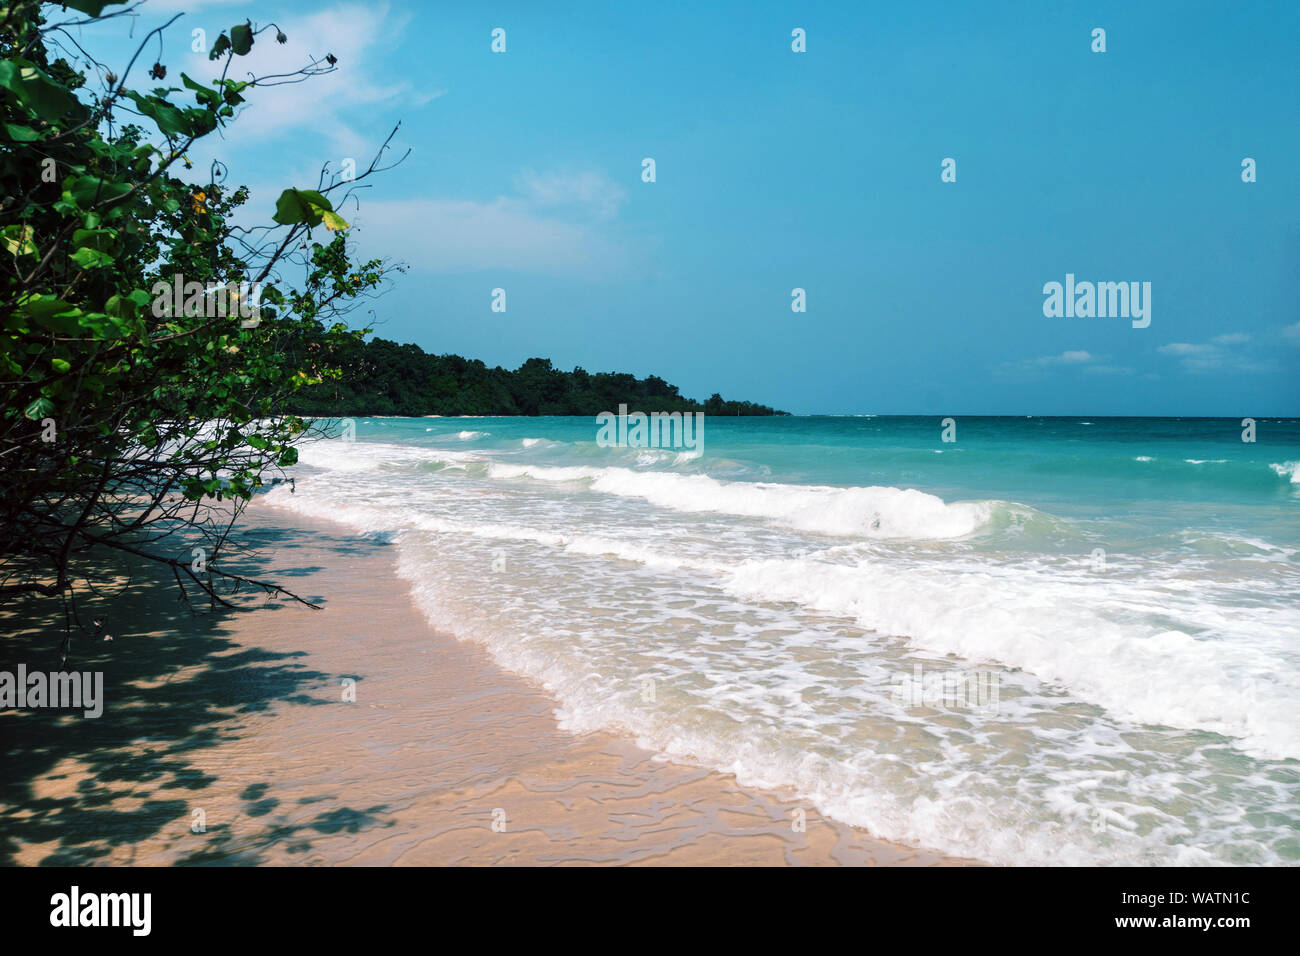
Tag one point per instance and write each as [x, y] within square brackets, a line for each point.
[1048, 641]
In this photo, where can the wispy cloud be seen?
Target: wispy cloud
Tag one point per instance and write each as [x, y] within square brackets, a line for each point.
[1221, 354]
[187, 6]
[1036, 368]
[587, 193]
[1065, 358]
[1292, 333]
[319, 117]
[558, 223]
[1231, 338]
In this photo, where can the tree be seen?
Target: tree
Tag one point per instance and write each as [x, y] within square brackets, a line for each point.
[384, 378]
[135, 418]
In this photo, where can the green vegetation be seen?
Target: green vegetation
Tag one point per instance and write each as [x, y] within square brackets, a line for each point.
[140, 407]
[129, 420]
[383, 378]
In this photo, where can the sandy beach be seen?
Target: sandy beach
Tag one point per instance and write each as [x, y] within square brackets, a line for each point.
[228, 739]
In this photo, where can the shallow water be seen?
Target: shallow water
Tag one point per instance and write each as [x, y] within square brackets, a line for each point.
[1114, 605]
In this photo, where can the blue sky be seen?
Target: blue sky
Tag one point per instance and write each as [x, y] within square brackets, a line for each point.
[817, 170]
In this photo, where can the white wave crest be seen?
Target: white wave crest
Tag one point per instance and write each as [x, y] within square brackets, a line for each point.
[1099, 639]
[1288, 469]
[873, 512]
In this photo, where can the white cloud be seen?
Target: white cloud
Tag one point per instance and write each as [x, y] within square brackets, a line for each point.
[1067, 358]
[562, 224]
[1218, 354]
[1073, 357]
[1036, 368]
[1292, 332]
[587, 193]
[1185, 348]
[186, 6]
[318, 116]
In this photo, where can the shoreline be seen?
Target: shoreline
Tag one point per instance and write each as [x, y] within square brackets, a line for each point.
[238, 722]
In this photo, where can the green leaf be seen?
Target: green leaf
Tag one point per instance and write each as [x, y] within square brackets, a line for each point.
[43, 306]
[21, 134]
[123, 308]
[64, 323]
[87, 191]
[171, 121]
[201, 121]
[91, 8]
[60, 365]
[220, 47]
[35, 89]
[101, 239]
[301, 205]
[241, 38]
[41, 408]
[91, 258]
[17, 240]
[204, 94]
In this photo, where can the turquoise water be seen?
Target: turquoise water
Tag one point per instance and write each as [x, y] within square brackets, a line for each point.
[1050, 640]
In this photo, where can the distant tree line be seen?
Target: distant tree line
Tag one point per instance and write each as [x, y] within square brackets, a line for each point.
[380, 377]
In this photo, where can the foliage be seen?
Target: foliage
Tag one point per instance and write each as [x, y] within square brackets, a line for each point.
[384, 378]
[126, 423]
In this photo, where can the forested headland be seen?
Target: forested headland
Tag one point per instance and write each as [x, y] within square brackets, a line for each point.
[381, 377]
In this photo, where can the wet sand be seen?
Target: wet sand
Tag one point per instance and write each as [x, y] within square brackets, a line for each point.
[228, 739]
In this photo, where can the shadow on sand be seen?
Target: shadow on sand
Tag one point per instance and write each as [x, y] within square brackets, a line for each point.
[174, 684]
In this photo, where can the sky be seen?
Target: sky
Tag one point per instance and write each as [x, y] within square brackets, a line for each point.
[819, 170]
